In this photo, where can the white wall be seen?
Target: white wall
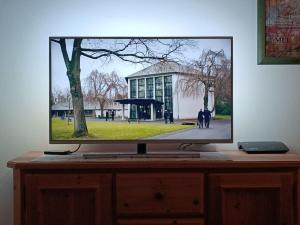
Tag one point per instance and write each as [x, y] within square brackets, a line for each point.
[187, 107]
[266, 98]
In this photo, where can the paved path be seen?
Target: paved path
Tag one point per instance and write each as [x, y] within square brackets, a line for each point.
[219, 129]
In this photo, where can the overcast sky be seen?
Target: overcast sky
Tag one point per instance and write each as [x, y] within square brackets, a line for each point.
[58, 69]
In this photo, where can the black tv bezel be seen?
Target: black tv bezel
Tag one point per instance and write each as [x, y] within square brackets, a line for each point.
[192, 141]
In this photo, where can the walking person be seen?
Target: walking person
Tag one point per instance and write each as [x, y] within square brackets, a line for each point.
[207, 117]
[166, 116]
[171, 118]
[106, 116]
[200, 118]
[113, 115]
[139, 115]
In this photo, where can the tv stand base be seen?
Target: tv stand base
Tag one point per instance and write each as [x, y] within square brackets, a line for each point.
[170, 155]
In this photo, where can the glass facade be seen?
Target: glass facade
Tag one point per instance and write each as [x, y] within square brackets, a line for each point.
[141, 88]
[163, 93]
[159, 95]
[149, 87]
[133, 111]
[132, 88]
[168, 93]
[158, 89]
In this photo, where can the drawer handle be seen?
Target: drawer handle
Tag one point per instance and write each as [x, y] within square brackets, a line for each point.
[158, 196]
[196, 201]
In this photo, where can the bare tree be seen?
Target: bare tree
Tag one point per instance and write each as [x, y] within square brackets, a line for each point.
[59, 95]
[136, 50]
[99, 86]
[203, 74]
[118, 88]
[223, 82]
[104, 88]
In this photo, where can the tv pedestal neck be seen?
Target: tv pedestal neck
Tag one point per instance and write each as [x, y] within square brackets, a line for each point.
[141, 148]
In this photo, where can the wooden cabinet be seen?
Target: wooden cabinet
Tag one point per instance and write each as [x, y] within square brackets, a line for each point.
[56, 199]
[241, 190]
[251, 198]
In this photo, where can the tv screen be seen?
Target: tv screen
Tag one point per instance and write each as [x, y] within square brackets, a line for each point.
[140, 89]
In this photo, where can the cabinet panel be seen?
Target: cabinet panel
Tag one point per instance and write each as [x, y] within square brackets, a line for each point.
[161, 222]
[68, 199]
[160, 193]
[251, 199]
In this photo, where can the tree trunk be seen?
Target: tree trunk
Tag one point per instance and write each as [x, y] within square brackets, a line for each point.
[205, 98]
[80, 128]
[101, 105]
[102, 109]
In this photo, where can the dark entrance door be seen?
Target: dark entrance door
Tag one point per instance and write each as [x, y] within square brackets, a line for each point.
[158, 109]
[144, 112]
[133, 111]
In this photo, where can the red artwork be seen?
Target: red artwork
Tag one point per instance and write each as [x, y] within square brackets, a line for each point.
[282, 28]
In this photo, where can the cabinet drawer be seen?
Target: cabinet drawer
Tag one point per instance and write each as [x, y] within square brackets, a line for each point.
[161, 222]
[159, 193]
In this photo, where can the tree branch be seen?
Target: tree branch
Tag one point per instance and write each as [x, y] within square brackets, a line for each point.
[121, 56]
[57, 41]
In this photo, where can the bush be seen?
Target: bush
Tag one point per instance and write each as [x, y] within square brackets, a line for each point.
[223, 107]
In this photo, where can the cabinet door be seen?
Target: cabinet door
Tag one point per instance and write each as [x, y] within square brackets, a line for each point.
[68, 199]
[161, 222]
[251, 199]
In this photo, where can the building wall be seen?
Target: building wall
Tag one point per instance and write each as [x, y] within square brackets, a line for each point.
[185, 107]
[266, 98]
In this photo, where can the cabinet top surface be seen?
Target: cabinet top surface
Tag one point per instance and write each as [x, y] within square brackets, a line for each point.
[228, 158]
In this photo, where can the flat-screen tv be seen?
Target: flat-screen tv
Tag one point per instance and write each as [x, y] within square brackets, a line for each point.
[140, 89]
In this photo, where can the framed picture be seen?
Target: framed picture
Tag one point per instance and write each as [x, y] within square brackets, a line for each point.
[278, 31]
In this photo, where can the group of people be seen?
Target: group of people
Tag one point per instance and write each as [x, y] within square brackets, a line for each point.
[110, 114]
[168, 116]
[204, 117]
[142, 114]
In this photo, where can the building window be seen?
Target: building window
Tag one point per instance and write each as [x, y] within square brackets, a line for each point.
[133, 110]
[141, 87]
[132, 88]
[168, 93]
[158, 89]
[149, 88]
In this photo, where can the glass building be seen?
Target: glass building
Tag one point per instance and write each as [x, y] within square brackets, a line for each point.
[158, 88]
[152, 91]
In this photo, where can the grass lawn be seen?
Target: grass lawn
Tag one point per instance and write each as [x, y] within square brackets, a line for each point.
[113, 131]
[222, 117]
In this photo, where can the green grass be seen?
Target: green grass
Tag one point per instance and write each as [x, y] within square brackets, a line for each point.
[113, 131]
[222, 117]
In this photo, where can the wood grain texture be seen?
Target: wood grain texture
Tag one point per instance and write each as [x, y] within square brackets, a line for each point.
[244, 190]
[18, 197]
[297, 214]
[252, 198]
[160, 193]
[234, 159]
[161, 222]
[56, 199]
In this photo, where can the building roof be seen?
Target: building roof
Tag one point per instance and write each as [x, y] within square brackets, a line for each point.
[87, 106]
[164, 68]
[140, 101]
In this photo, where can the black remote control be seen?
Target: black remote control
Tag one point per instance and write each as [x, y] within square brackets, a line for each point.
[57, 153]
